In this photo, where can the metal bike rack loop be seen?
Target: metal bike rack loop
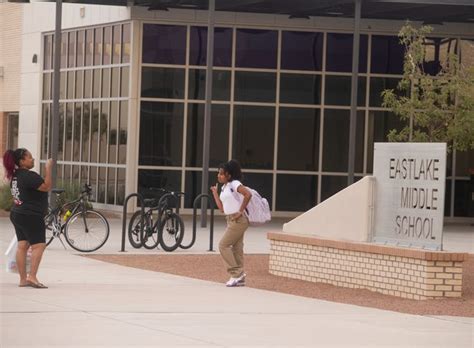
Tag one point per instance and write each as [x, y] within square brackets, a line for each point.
[198, 200]
[124, 216]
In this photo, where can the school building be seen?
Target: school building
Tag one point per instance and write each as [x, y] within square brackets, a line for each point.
[132, 88]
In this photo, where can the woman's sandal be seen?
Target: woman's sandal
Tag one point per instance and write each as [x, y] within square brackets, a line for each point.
[36, 285]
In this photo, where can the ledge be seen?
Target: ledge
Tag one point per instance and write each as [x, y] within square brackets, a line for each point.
[426, 255]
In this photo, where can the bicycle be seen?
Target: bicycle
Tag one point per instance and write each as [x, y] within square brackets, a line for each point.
[168, 228]
[84, 228]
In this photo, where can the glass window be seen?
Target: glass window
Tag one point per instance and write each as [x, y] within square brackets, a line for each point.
[377, 86]
[163, 83]
[64, 54]
[104, 131]
[462, 197]
[263, 183]
[253, 136]
[464, 162]
[80, 48]
[93, 182]
[96, 87]
[95, 117]
[117, 40]
[301, 50]
[300, 89]
[45, 132]
[222, 46]
[331, 185]
[220, 84]
[164, 44]
[338, 90]
[437, 51]
[86, 121]
[48, 52]
[113, 127]
[124, 82]
[115, 83]
[72, 50]
[68, 131]
[77, 132]
[380, 124]
[120, 197]
[126, 40]
[62, 84]
[79, 83]
[111, 185]
[123, 126]
[101, 185]
[219, 137]
[107, 45]
[161, 134]
[192, 186]
[387, 55]
[87, 84]
[466, 55]
[256, 48]
[336, 141]
[255, 86]
[167, 179]
[61, 132]
[98, 46]
[287, 185]
[70, 84]
[89, 46]
[106, 83]
[47, 86]
[298, 133]
[339, 53]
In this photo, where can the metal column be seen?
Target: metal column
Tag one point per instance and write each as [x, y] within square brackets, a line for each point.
[207, 111]
[56, 87]
[355, 76]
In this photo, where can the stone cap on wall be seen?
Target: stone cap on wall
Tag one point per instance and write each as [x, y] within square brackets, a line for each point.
[369, 247]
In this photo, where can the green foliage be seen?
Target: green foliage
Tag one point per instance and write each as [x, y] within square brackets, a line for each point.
[436, 108]
[6, 199]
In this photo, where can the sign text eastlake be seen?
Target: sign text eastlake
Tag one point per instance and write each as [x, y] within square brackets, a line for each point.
[410, 181]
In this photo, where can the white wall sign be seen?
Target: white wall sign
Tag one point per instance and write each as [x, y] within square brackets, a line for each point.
[409, 203]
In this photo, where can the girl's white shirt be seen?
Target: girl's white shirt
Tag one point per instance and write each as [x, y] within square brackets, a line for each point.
[229, 199]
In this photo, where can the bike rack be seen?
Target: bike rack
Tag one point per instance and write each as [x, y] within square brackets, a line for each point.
[124, 216]
[197, 200]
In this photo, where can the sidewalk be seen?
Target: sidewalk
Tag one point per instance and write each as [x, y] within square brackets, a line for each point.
[96, 304]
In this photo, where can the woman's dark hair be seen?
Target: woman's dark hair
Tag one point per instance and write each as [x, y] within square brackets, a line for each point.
[233, 169]
[11, 160]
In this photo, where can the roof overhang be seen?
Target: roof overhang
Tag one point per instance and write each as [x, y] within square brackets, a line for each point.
[428, 11]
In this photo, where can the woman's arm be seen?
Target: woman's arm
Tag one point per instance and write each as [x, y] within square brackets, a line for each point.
[46, 185]
[216, 198]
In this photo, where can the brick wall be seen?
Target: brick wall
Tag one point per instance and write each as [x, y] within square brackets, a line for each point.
[402, 272]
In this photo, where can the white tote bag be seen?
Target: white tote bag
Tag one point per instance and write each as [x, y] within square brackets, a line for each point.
[10, 253]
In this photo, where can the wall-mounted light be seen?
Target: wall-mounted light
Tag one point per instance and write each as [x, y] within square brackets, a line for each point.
[82, 12]
[34, 60]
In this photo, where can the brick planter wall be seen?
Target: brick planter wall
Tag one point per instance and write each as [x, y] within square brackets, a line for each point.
[409, 273]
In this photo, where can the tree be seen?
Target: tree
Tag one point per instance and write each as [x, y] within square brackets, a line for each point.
[436, 108]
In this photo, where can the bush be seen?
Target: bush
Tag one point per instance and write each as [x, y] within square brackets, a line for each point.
[6, 199]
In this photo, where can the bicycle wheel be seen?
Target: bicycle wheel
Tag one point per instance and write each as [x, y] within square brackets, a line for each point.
[87, 231]
[171, 231]
[48, 222]
[150, 238]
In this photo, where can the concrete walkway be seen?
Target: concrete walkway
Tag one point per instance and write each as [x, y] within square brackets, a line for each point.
[96, 304]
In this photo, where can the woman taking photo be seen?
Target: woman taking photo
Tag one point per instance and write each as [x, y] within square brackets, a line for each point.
[232, 200]
[30, 204]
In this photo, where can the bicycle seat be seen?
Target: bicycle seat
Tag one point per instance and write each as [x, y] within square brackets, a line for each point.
[57, 190]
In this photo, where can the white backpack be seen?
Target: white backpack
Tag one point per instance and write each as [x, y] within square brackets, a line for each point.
[258, 209]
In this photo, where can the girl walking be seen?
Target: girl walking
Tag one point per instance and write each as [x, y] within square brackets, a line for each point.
[232, 201]
[30, 204]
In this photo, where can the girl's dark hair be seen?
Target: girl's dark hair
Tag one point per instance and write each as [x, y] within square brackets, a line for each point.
[11, 160]
[233, 169]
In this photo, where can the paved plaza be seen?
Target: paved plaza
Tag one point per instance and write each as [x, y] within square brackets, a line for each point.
[96, 304]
